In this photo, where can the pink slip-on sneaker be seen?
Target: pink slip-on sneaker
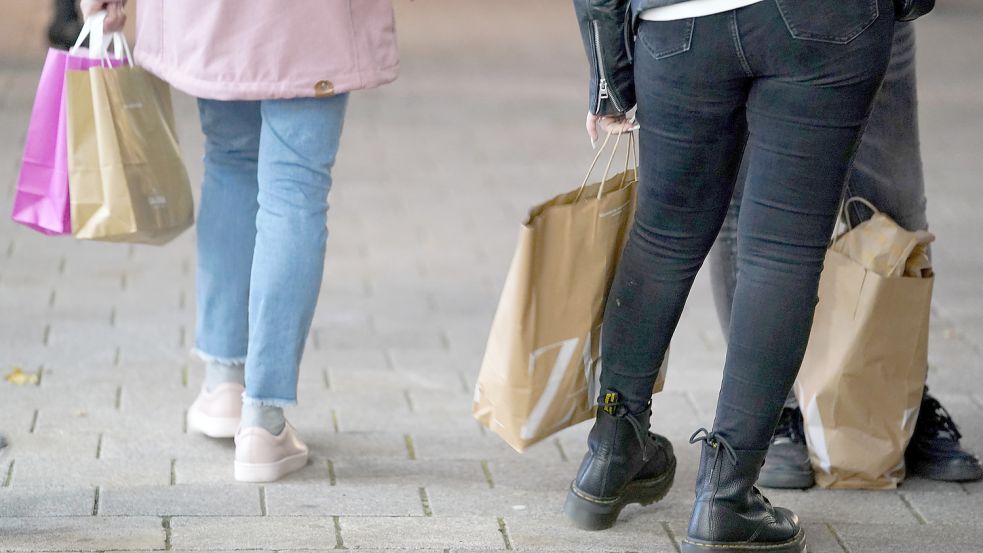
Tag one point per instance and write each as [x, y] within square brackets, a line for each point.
[263, 457]
[216, 414]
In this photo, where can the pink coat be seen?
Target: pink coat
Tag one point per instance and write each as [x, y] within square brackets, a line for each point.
[265, 49]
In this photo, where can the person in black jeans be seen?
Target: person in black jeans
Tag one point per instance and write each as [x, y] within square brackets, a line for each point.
[793, 80]
[887, 171]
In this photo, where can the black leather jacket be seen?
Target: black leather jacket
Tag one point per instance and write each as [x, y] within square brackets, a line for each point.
[608, 30]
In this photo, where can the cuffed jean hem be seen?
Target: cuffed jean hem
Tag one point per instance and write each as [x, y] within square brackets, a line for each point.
[208, 358]
[246, 400]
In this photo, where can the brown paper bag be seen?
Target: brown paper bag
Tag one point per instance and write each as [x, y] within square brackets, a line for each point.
[127, 181]
[861, 382]
[542, 362]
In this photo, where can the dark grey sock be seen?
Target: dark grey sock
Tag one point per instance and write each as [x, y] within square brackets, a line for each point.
[219, 373]
[263, 416]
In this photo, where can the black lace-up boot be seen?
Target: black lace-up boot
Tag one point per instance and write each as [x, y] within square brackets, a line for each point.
[934, 451]
[787, 464]
[625, 463]
[730, 514]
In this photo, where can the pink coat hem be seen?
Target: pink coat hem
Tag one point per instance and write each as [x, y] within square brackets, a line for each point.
[237, 90]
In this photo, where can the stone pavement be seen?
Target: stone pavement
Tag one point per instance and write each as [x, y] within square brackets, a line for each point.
[434, 176]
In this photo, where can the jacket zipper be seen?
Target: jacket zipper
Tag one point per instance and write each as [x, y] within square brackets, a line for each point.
[602, 92]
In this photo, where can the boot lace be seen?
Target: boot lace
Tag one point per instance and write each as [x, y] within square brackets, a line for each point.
[715, 441]
[641, 432]
[935, 420]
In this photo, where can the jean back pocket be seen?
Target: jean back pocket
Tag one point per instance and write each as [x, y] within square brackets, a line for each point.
[836, 22]
[666, 38]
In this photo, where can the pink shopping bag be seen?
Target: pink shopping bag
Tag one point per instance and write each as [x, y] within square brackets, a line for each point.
[41, 200]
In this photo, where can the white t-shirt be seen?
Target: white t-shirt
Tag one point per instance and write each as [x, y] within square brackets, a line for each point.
[693, 8]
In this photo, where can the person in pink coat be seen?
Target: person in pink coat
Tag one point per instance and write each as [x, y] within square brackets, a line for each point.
[272, 81]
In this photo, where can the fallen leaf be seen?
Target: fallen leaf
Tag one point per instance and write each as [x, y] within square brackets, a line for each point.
[21, 378]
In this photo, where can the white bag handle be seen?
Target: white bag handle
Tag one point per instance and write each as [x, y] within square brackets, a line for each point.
[93, 28]
[121, 49]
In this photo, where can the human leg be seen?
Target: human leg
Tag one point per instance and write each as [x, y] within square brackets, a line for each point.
[807, 108]
[226, 232]
[298, 145]
[692, 131]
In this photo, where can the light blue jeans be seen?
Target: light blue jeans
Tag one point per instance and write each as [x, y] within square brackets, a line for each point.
[262, 229]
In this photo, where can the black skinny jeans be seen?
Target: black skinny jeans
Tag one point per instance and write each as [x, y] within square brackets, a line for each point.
[887, 170]
[793, 80]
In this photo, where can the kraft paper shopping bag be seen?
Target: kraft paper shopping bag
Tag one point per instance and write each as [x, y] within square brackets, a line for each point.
[541, 365]
[126, 177]
[862, 379]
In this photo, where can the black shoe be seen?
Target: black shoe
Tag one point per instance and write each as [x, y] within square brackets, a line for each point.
[730, 514]
[787, 464]
[62, 33]
[934, 451]
[625, 463]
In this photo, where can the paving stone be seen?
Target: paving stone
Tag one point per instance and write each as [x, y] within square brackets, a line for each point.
[168, 420]
[323, 499]
[947, 508]
[845, 506]
[353, 445]
[321, 400]
[532, 474]
[233, 499]
[556, 533]
[913, 486]
[40, 502]
[441, 402]
[378, 420]
[500, 501]
[421, 532]
[908, 538]
[372, 359]
[205, 533]
[43, 473]
[81, 533]
[165, 445]
[434, 445]
[232, 551]
[362, 339]
[83, 396]
[24, 446]
[435, 361]
[213, 471]
[400, 380]
[379, 471]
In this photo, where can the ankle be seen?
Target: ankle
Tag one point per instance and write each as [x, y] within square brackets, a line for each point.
[217, 373]
[263, 416]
